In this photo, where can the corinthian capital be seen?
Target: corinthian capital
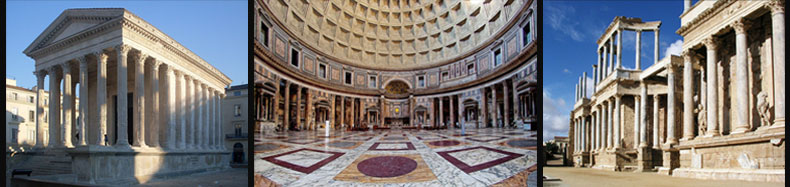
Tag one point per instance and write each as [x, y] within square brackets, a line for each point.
[741, 25]
[776, 6]
[711, 42]
[123, 49]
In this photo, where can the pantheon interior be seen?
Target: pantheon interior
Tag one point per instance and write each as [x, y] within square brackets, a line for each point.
[391, 92]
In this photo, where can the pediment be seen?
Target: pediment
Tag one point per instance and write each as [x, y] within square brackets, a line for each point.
[72, 22]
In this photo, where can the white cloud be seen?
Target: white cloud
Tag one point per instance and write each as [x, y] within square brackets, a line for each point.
[674, 49]
[555, 116]
[566, 70]
[557, 18]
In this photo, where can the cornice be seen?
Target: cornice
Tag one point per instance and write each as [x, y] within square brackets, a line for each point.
[704, 16]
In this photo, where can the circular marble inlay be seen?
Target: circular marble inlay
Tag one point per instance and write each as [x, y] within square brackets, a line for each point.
[342, 144]
[387, 166]
[522, 143]
[445, 143]
[266, 147]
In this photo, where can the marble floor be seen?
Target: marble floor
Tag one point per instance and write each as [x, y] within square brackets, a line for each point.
[479, 157]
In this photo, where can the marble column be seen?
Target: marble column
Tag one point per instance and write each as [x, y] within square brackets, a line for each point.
[638, 61]
[611, 55]
[686, 5]
[287, 113]
[122, 90]
[712, 87]
[101, 96]
[505, 93]
[299, 108]
[741, 91]
[688, 97]
[199, 139]
[608, 125]
[54, 106]
[599, 70]
[656, 141]
[40, 76]
[655, 48]
[595, 77]
[778, 38]
[139, 100]
[68, 106]
[191, 139]
[155, 122]
[204, 115]
[441, 111]
[342, 110]
[181, 106]
[643, 118]
[584, 85]
[582, 133]
[84, 94]
[616, 120]
[452, 112]
[671, 135]
[170, 95]
[619, 49]
[637, 120]
[497, 112]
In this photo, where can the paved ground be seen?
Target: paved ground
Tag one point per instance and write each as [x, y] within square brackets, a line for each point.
[230, 177]
[570, 176]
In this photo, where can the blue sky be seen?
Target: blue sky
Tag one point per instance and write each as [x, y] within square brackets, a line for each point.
[570, 32]
[214, 30]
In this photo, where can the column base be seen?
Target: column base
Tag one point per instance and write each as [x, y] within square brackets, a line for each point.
[644, 160]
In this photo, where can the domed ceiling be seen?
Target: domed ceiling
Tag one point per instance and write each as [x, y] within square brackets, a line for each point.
[394, 34]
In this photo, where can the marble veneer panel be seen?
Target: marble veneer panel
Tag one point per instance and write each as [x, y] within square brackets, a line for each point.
[303, 160]
[477, 158]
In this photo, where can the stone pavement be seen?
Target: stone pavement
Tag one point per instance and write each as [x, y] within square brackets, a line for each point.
[229, 177]
[571, 176]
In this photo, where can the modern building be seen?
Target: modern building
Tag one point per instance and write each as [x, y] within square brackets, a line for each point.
[235, 122]
[715, 112]
[20, 116]
[332, 69]
[153, 105]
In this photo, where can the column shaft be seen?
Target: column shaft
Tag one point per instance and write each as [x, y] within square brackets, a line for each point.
[638, 60]
[617, 121]
[712, 88]
[741, 105]
[139, 100]
[68, 106]
[101, 97]
[122, 90]
[40, 75]
[688, 97]
[778, 39]
[671, 135]
[83, 108]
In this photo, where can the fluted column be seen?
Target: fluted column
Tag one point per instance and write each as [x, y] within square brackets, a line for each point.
[583, 133]
[671, 135]
[299, 108]
[40, 75]
[68, 106]
[655, 48]
[441, 111]
[741, 106]
[122, 90]
[170, 90]
[599, 70]
[656, 141]
[139, 100]
[611, 55]
[712, 88]
[191, 101]
[619, 49]
[54, 107]
[595, 78]
[616, 121]
[342, 110]
[637, 120]
[688, 97]
[83, 93]
[101, 96]
[287, 113]
[643, 118]
[181, 102]
[204, 115]
[496, 107]
[608, 125]
[638, 60]
[198, 115]
[778, 38]
[156, 122]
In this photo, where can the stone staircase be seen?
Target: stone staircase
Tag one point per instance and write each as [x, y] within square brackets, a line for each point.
[51, 162]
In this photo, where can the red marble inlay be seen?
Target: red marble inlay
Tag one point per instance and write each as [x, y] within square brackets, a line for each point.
[306, 170]
[469, 169]
[445, 143]
[387, 166]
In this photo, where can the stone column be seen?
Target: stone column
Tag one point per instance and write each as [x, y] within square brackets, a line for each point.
[204, 114]
[40, 76]
[595, 77]
[616, 120]
[599, 69]
[139, 100]
[212, 97]
[688, 97]
[496, 107]
[643, 118]
[441, 111]
[54, 106]
[712, 86]
[101, 96]
[199, 113]
[686, 5]
[181, 106]
[583, 135]
[611, 55]
[191, 110]
[778, 28]
[170, 96]
[299, 108]
[655, 49]
[153, 121]
[584, 85]
[671, 135]
[122, 90]
[68, 106]
[287, 112]
[452, 112]
[638, 50]
[637, 120]
[342, 110]
[84, 94]
[608, 125]
[619, 48]
[598, 127]
[741, 106]
[482, 107]
[656, 141]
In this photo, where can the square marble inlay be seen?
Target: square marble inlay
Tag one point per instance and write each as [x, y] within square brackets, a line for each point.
[302, 141]
[477, 158]
[303, 160]
[485, 138]
[392, 146]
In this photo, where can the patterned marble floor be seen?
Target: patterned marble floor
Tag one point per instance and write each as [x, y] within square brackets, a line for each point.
[480, 157]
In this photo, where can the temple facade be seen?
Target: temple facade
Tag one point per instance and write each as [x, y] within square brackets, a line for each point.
[150, 105]
[714, 112]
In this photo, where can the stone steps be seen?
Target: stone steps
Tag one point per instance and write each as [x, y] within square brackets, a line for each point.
[49, 163]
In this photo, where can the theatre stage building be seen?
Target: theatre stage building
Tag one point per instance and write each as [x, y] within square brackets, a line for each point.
[151, 105]
[347, 83]
[715, 112]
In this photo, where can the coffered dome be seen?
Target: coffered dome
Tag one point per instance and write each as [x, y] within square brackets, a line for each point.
[394, 34]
